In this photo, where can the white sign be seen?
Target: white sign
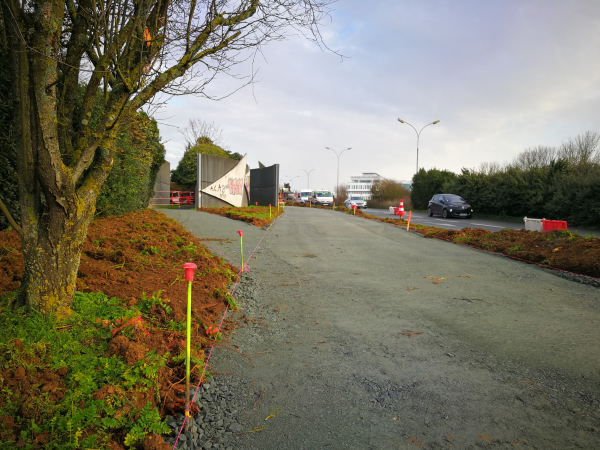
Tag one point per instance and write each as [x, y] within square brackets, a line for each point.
[230, 187]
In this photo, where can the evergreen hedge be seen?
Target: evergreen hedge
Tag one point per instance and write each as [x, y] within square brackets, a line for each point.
[560, 183]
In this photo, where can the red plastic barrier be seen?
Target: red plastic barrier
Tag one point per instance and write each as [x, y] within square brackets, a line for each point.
[551, 225]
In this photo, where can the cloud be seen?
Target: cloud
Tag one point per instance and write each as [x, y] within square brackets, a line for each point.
[500, 76]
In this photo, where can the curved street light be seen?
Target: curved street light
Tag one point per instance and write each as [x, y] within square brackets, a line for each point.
[308, 175]
[418, 134]
[337, 185]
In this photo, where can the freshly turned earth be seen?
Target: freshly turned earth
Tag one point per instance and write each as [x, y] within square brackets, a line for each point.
[125, 257]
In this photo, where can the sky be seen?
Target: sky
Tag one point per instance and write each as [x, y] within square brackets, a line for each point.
[500, 76]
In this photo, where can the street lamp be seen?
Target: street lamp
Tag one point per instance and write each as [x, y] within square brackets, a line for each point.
[308, 175]
[418, 134]
[337, 186]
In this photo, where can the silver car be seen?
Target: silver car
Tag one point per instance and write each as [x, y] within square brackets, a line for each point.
[355, 200]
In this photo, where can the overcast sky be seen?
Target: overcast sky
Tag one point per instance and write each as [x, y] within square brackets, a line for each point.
[500, 75]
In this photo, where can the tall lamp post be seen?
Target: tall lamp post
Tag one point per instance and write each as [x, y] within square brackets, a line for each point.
[337, 185]
[418, 134]
[308, 175]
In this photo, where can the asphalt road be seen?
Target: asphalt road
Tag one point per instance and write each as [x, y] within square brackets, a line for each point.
[474, 222]
[365, 336]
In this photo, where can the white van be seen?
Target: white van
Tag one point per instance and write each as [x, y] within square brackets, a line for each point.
[323, 197]
[305, 195]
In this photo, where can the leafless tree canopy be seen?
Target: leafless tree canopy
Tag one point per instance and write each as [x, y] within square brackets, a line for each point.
[583, 149]
[198, 128]
[79, 67]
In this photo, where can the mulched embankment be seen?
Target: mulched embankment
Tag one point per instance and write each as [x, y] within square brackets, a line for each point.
[128, 257]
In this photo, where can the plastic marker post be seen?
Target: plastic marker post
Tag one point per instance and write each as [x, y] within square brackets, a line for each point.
[241, 250]
[408, 224]
[269, 210]
[189, 277]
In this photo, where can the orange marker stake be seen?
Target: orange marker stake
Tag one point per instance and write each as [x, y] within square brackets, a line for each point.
[408, 224]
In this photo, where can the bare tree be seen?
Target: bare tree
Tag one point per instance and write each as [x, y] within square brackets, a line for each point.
[534, 157]
[342, 194]
[490, 168]
[198, 128]
[583, 149]
[79, 67]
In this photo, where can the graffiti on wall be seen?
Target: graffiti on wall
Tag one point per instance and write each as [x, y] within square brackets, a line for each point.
[236, 186]
[230, 187]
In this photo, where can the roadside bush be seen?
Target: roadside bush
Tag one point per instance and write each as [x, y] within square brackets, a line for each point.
[427, 183]
[9, 187]
[130, 185]
[574, 196]
[185, 173]
[559, 191]
[342, 195]
[386, 193]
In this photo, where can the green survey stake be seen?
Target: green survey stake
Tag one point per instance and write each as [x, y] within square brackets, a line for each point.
[241, 250]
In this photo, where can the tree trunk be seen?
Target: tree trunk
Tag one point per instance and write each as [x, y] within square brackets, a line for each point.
[52, 252]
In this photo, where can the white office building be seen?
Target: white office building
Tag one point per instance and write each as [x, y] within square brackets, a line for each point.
[361, 185]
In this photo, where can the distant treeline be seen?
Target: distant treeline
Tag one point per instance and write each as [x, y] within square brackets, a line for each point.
[559, 183]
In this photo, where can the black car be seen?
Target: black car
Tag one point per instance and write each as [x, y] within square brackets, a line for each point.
[449, 205]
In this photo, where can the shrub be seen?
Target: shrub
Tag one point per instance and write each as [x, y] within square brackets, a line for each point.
[386, 193]
[427, 183]
[185, 173]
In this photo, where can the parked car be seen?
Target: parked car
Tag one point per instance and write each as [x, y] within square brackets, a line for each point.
[449, 205]
[355, 200]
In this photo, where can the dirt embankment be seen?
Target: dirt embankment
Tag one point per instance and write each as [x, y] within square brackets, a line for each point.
[136, 255]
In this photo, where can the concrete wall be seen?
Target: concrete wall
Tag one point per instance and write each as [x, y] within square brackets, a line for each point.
[162, 186]
[210, 169]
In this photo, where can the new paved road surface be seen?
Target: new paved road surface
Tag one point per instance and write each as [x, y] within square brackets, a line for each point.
[365, 336]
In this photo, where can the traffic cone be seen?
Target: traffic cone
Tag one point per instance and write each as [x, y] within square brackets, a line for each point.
[401, 211]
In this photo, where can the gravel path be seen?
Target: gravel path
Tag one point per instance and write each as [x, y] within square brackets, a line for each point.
[365, 336]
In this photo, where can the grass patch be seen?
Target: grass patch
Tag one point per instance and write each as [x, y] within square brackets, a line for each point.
[256, 215]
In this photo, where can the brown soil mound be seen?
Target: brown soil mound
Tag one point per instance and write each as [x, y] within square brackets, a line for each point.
[560, 249]
[126, 257]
